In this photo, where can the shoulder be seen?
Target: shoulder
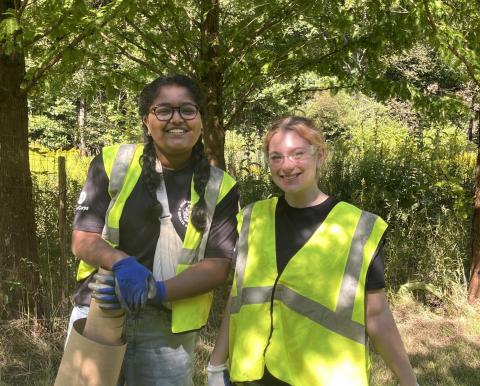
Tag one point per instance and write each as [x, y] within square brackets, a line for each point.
[226, 178]
[346, 206]
[259, 208]
[114, 149]
[226, 183]
[121, 154]
[262, 205]
[368, 219]
[349, 207]
[96, 167]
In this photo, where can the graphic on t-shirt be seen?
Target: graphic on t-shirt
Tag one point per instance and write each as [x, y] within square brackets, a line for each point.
[81, 200]
[183, 212]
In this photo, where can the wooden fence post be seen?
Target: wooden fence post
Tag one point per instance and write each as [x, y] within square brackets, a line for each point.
[62, 226]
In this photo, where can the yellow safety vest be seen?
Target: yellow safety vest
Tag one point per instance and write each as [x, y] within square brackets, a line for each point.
[122, 165]
[308, 324]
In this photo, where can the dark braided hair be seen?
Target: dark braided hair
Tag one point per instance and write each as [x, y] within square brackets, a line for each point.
[201, 174]
[201, 167]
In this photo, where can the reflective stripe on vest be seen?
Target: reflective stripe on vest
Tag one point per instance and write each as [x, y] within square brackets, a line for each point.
[123, 175]
[247, 359]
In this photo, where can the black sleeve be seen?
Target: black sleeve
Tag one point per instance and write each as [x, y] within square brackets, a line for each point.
[94, 199]
[376, 271]
[223, 231]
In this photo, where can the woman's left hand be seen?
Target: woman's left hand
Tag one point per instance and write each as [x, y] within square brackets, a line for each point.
[218, 375]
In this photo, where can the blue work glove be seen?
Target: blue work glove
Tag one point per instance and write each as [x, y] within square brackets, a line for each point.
[157, 293]
[131, 283]
[218, 375]
[103, 288]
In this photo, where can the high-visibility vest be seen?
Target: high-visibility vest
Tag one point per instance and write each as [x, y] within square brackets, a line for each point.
[307, 325]
[122, 165]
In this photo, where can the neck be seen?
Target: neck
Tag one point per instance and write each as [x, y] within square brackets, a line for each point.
[305, 199]
[174, 161]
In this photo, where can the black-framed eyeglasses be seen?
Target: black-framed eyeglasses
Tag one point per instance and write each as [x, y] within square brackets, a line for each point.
[187, 111]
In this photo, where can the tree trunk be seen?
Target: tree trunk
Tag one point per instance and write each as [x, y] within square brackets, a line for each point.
[82, 112]
[19, 274]
[211, 78]
[474, 282]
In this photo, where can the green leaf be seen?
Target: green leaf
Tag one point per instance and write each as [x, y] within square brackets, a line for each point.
[9, 27]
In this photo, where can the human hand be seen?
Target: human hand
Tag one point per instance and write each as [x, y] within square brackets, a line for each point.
[103, 288]
[218, 375]
[131, 283]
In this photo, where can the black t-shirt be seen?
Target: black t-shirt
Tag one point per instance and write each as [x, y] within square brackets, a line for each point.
[295, 226]
[139, 224]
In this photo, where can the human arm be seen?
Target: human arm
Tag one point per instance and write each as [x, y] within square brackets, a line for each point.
[383, 332]
[94, 250]
[217, 368]
[198, 279]
[220, 351]
[131, 278]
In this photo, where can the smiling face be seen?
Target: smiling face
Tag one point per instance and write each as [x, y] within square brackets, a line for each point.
[175, 138]
[297, 178]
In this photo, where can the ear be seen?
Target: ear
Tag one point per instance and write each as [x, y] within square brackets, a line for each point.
[320, 158]
[145, 122]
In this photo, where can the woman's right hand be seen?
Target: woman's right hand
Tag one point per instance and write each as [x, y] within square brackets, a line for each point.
[132, 281]
[218, 375]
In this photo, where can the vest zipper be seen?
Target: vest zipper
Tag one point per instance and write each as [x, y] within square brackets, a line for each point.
[271, 314]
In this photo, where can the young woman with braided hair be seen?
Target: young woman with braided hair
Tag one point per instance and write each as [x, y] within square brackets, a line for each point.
[164, 221]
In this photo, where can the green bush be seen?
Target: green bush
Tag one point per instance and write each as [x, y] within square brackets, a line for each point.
[245, 162]
[424, 194]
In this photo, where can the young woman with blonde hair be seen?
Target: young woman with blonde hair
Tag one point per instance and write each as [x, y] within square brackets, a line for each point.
[308, 289]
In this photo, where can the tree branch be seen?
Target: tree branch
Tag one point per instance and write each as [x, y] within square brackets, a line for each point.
[153, 43]
[248, 43]
[133, 58]
[40, 72]
[56, 57]
[320, 89]
[453, 50]
[180, 48]
[239, 106]
[39, 37]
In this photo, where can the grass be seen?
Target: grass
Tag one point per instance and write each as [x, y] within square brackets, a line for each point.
[30, 351]
[443, 342]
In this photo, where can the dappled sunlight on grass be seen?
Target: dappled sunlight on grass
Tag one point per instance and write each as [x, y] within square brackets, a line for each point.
[443, 345]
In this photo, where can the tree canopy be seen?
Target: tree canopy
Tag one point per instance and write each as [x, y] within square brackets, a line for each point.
[75, 68]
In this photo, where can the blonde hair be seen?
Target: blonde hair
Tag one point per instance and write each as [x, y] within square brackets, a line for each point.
[304, 127]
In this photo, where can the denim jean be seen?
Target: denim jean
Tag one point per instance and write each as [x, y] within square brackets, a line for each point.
[78, 312]
[155, 356]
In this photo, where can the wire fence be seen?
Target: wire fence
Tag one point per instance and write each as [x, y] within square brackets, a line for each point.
[57, 180]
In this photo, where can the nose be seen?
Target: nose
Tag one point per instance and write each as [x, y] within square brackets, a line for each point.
[288, 164]
[176, 117]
